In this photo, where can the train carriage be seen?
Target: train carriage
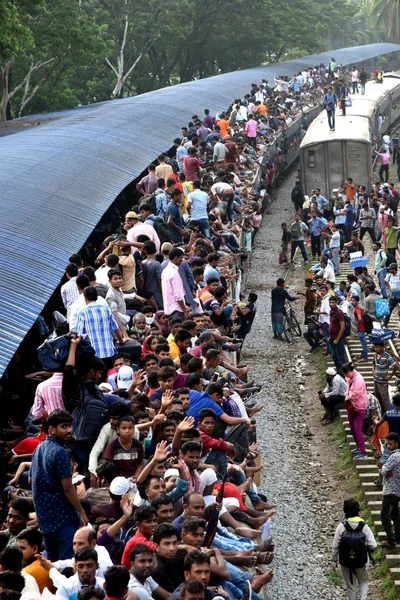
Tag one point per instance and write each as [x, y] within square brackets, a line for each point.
[327, 157]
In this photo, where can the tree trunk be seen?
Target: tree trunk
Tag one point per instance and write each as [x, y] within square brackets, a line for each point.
[5, 74]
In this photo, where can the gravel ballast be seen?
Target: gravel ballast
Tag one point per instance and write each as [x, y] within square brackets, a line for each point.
[292, 477]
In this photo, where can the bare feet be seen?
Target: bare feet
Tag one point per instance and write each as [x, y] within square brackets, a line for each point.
[261, 579]
[249, 561]
[243, 487]
[252, 534]
[261, 505]
[249, 471]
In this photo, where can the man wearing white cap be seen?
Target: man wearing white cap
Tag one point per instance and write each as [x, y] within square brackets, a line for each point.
[118, 487]
[333, 394]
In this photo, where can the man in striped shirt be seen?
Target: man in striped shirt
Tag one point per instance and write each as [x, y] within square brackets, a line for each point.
[98, 322]
[48, 396]
[69, 291]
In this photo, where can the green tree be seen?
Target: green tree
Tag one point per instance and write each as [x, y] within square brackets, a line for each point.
[386, 13]
[60, 38]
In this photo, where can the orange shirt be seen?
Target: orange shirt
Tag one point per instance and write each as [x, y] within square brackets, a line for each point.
[41, 575]
[349, 191]
[262, 109]
[224, 125]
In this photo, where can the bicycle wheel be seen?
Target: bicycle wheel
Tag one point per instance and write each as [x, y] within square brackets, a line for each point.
[287, 331]
[295, 324]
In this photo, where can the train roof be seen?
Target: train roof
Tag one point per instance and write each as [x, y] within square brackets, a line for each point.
[355, 125]
[58, 179]
[346, 128]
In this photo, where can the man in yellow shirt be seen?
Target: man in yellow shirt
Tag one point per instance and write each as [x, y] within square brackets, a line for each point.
[179, 344]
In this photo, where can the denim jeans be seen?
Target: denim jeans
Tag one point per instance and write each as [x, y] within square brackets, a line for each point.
[204, 227]
[300, 244]
[331, 118]
[390, 514]
[382, 284]
[238, 476]
[237, 582]
[393, 301]
[363, 341]
[219, 460]
[58, 543]
[337, 353]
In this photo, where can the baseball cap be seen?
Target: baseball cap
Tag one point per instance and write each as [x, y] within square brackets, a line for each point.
[119, 486]
[131, 215]
[393, 266]
[331, 371]
[124, 377]
[335, 190]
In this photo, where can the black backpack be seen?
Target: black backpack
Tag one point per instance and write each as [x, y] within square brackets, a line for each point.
[353, 551]
[163, 230]
[390, 259]
[90, 414]
[347, 325]
[151, 201]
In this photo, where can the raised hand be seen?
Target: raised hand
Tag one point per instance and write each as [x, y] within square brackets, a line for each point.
[162, 451]
[167, 398]
[186, 424]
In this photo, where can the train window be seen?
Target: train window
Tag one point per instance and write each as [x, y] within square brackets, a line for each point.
[311, 158]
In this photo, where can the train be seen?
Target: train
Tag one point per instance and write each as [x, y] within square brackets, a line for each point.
[328, 157]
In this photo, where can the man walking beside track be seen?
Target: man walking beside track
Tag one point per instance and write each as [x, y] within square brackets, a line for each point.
[381, 365]
[298, 230]
[390, 472]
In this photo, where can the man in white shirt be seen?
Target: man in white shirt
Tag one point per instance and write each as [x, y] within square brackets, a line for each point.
[85, 537]
[81, 282]
[85, 566]
[324, 311]
[141, 585]
[326, 271]
[101, 274]
[69, 292]
[334, 247]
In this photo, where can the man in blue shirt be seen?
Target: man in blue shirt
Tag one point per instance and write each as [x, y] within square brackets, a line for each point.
[315, 225]
[321, 200]
[330, 101]
[197, 208]
[174, 216]
[57, 505]
[208, 399]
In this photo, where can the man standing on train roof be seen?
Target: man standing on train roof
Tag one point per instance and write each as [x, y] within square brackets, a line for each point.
[330, 101]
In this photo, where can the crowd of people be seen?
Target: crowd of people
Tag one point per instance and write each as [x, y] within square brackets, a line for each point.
[336, 308]
[135, 470]
[134, 473]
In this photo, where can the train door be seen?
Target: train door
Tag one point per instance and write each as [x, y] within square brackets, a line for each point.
[312, 164]
[335, 165]
[358, 162]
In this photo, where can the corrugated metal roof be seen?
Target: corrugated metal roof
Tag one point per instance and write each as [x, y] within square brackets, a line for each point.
[58, 179]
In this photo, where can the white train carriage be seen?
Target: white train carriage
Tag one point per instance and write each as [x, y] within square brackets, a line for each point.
[327, 157]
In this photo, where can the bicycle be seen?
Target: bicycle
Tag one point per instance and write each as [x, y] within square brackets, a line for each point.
[290, 323]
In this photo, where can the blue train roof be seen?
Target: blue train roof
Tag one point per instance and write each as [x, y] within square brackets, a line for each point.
[58, 179]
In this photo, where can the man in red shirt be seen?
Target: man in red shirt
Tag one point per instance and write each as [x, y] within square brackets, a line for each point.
[146, 521]
[336, 334]
[192, 165]
[215, 450]
[360, 322]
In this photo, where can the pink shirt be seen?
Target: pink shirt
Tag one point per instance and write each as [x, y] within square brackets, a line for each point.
[143, 229]
[48, 396]
[357, 392]
[172, 289]
[251, 128]
[384, 157]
